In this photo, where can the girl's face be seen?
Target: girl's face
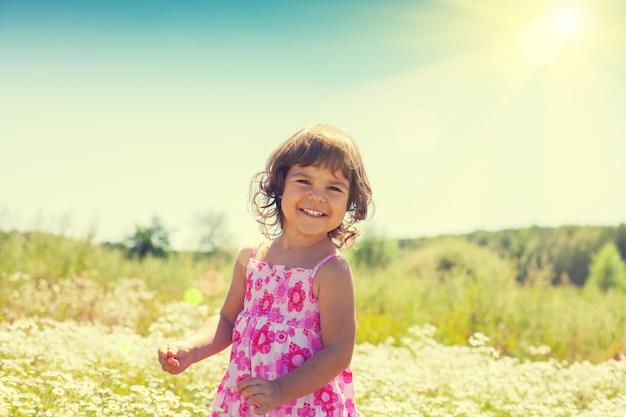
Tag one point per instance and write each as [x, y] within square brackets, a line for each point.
[314, 200]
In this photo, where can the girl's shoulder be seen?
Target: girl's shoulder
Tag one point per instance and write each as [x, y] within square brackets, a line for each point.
[245, 254]
[334, 275]
[273, 255]
[334, 264]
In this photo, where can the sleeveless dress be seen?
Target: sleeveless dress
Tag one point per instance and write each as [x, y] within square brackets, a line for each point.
[277, 330]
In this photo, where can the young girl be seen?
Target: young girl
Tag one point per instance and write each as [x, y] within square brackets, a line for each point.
[290, 309]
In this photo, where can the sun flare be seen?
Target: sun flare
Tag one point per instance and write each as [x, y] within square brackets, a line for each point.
[568, 21]
[542, 39]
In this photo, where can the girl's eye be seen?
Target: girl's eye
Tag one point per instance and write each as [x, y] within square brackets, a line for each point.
[335, 189]
[303, 181]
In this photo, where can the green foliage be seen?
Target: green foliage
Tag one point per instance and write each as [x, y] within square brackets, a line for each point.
[457, 286]
[376, 252]
[51, 259]
[571, 252]
[149, 240]
[620, 239]
[465, 284]
[557, 256]
[608, 270]
[462, 288]
[59, 295]
[46, 255]
[454, 259]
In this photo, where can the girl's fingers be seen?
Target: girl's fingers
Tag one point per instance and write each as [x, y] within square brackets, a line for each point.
[241, 386]
[256, 393]
[170, 364]
[259, 411]
[262, 406]
[257, 402]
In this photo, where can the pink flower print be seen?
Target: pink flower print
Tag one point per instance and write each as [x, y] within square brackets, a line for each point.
[280, 293]
[223, 410]
[262, 370]
[249, 287]
[262, 340]
[287, 274]
[241, 360]
[236, 336]
[247, 333]
[316, 343]
[326, 398]
[276, 316]
[242, 377]
[265, 304]
[346, 376]
[312, 321]
[288, 410]
[296, 298]
[258, 284]
[350, 406]
[306, 411]
[281, 336]
[312, 296]
[295, 357]
[222, 385]
[243, 408]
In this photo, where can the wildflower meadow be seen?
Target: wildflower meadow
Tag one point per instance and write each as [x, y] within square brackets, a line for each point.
[85, 345]
[67, 368]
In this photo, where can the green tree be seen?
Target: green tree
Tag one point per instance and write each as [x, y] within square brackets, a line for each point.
[467, 286]
[620, 239]
[572, 249]
[151, 240]
[376, 251]
[607, 270]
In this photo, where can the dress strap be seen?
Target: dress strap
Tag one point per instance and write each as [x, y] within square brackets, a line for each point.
[253, 253]
[320, 263]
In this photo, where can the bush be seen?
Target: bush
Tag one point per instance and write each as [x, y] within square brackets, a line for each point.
[152, 240]
[608, 270]
[376, 252]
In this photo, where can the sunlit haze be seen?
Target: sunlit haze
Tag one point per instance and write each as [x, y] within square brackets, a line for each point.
[469, 114]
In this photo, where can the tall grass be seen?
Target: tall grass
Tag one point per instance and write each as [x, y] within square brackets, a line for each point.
[53, 258]
[79, 327]
[461, 289]
[455, 286]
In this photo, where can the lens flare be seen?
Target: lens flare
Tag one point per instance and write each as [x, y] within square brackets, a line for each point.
[193, 296]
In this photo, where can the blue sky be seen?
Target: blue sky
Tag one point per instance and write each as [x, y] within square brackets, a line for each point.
[469, 115]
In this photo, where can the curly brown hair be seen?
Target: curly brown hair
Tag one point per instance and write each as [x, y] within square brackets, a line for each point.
[317, 145]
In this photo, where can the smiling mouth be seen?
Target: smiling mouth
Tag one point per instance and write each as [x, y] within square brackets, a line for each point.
[314, 213]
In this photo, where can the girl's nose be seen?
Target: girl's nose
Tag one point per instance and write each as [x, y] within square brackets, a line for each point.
[316, 195]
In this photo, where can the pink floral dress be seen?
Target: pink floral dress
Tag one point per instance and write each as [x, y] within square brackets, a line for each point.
[277, 330]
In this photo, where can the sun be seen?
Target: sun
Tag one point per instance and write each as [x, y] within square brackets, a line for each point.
[542, 39]
[568, 21]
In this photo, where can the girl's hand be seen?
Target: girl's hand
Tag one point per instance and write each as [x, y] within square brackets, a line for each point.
[262, 394]
[175, 358]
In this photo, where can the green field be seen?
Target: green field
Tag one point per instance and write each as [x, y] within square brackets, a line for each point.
[445, 329]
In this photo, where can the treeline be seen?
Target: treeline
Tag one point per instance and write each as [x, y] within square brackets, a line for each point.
[544, 255]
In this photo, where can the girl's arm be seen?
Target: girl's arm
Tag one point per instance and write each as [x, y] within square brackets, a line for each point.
[216, 333]
[335, 291]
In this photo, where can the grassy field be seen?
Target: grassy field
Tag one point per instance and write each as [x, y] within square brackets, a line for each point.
[80, 325]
